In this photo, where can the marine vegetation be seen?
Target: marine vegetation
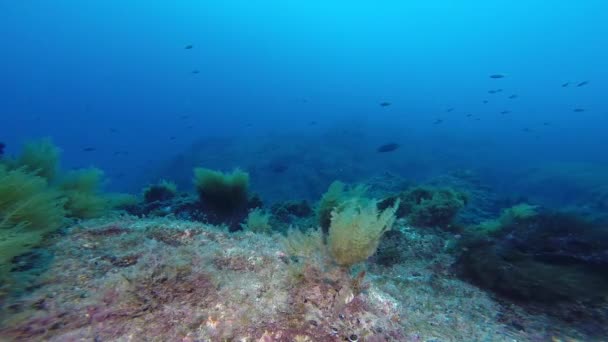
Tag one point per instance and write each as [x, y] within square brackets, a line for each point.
[84, 197]
[356, 228]
[425, 206]
[546, 257]
[303, 244]
[289, 211]
[29, 209]
[508, 217]
[40, 157]
[36, 198]
[121, 200]
[257, 221]
[159, 192]
[223, 196]
[337, 193]
[225, 192]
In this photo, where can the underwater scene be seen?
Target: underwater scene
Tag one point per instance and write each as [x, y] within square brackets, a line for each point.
[302, 171]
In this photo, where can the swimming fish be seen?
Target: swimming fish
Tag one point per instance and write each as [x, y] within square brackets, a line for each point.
[578, 110]
[385, 104]
[584, 83]
[89, 149]
[565, 84]
[469, 115]
[485, 101]
[449, 110]
[505, 112]
[2, 146]
[514, 96]
[195, 71]
[494, 91]
[437, 122]
[388, 147]
[495, 76]
[188, 47]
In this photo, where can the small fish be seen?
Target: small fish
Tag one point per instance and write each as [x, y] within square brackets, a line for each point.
[385, 104]
[196, 72]
[496, 76]
[565, 84]
[188, 47]
[449, 110]
[494, 91]
[388, 147]
[89, 149]
[2, 146]
[312, 123]
[485, 101]
[578, 110]
[113, 130]
[469, 115]
[172, 137]
[437, 122]
[505, 112]
[184, 116]
[584, 83]
[527, 130]
[546, 123]
[514, 96]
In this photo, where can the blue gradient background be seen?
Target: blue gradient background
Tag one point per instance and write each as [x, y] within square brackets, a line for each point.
[75, 70]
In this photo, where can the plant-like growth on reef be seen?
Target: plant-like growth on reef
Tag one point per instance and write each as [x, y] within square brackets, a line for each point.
[301, 244]
[356, 228]
[507, 218]
[337, 193]
[223, 193]
[162, 191]
[429, 207]
[28, 210]
[121, 200]
[543, 257]
[82, 189]
[40, 157]
[258, 222]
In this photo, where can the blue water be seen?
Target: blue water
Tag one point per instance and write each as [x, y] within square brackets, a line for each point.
[116, 76]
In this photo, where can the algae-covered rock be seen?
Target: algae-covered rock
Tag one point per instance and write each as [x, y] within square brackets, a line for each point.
[545, 258]
[427, 206]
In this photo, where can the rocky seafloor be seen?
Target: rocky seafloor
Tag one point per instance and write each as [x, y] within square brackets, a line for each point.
[124, 278]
